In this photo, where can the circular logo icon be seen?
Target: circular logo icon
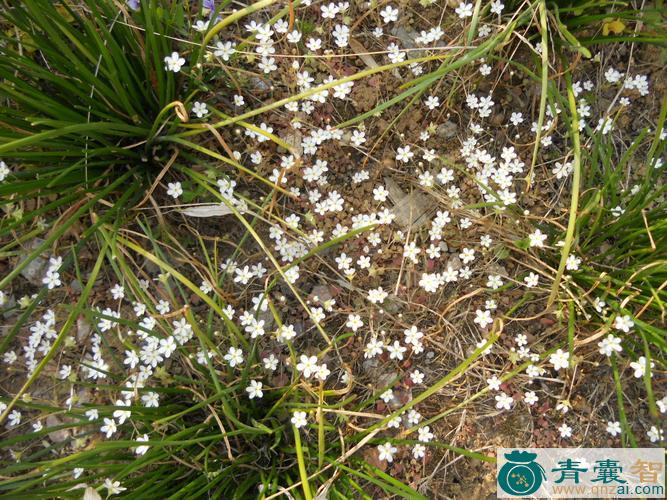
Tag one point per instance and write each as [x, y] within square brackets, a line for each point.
[521, 475]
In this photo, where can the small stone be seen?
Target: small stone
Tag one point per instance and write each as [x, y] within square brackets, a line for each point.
[83, 329]
[447, 130]
[60, 435]
[259, 85]
[34, 271]
[75, 286]
[454, 262]
[322, 292]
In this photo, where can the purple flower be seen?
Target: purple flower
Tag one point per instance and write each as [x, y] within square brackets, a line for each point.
[132, 4]
[209, 4]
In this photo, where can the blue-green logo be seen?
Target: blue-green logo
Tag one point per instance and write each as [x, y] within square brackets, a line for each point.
[521, 475]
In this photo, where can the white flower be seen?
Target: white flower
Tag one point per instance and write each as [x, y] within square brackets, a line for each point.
[52, 280]
[294, 36]
[4, 171]
[563, 406]
[562, 170]
[113, 487]
[534, 371]
[299, 419]
[243, 275]
[404, 154]
[560, 359]
[270, 362]
[389, 14]
[467, 255]
[206, 287]
[612, 75]
[234, 356]
[314, 44]
[109, 427]
[380, 194]
[354, 322]
[199, 109]
[307, 365]
[175, 190]
[182, 331]
[163, 306]
[432, 102]
[662, 404]
[617, 211]
[281, 26]
[623, 323]
[599, 305]
[425, 434]
[655, 434]
[200, 25]
[329, 11]
[614, 428]
[121, 415]
[139, 309]
[639, 367]
[377, 295]
[117, 292]
[417, 377]
[537, 239]
[174, 62]
[419, 451]
[224, 50]
[286, 332]
[572, 263]
[151, 399]
[497, 7]
[464, 10]
[141, 450]
[609, 344]
[531, 280]
[411, 251]
[530, 398]
[65, 371]
[387, 395]
[254, 390]
[386, 452]
[516, 118]
[430, 282]
[494, 282]
[322, 372]
[14, 418]
[493, 383]
[483, 318]
[255, 329]
[504, 402]
[396, 350]
[413, 335]
[92, 414]
[433, 251]
[394, 423]
[373, 348]
[565, 431]
[267, 65]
